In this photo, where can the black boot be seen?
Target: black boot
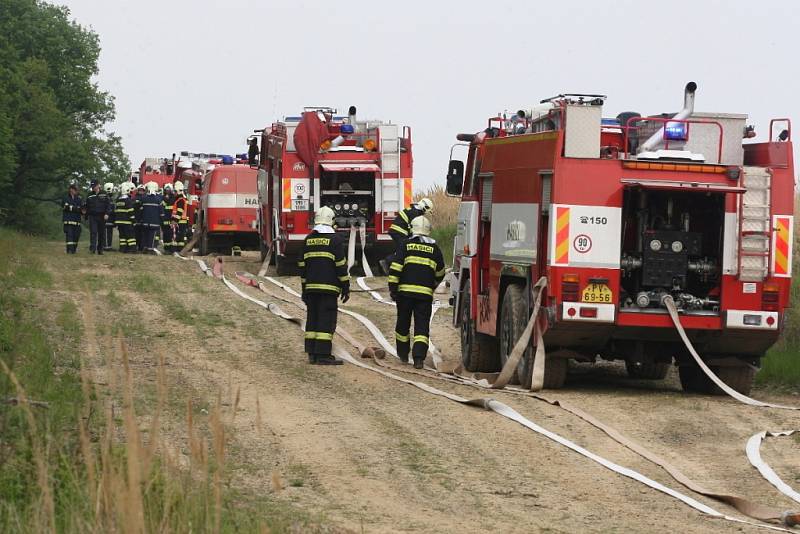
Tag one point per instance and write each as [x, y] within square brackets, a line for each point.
[312, 358]
[403, 359]
[327, 359]
[419, 363]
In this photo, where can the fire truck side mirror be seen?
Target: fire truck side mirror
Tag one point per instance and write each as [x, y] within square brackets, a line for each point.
[455, 178]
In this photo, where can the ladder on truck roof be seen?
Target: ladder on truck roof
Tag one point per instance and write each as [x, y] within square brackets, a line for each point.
[755, 225]
[391, 188]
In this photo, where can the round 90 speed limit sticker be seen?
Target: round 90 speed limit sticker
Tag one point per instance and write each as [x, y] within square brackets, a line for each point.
[582, 243]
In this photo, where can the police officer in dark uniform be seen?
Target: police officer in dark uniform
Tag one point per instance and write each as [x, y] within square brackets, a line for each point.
[413, 276]
[71, 217]
[399, 231]
[151, 216]
[98, 210]
[323, 273]
[125, 219]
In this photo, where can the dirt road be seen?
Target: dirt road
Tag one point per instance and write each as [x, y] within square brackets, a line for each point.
[365, 454]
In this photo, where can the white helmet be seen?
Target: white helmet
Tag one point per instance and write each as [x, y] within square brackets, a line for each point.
[324, 215]
[425, 205]
[179, 187]
[152, 187]
[168, 186]
[420, 225]
[108, 187]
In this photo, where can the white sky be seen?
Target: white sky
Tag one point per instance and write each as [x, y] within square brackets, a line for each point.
[201, 75]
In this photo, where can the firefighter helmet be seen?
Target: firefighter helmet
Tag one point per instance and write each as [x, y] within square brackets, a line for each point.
[324, 215]
[420, 226]
[152, 188]
[108, 187]
[425, 205]
[179, 187]
[167, 186]
[126, 187]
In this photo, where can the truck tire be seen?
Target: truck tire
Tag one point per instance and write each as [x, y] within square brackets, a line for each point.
[285, 265]
[652, 370]
[203, 242]
[739, 378]
[693, 379]
[479, 352]
[513, 317]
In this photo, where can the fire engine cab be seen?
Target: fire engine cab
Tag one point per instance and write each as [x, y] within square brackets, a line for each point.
[616, 214]
[362, 169]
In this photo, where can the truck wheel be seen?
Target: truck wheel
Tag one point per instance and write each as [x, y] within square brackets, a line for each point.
[203, 242]
[739, 378]
[693, 379]
[651, 370]
[478, 351]
[285, 265]
[513, 318]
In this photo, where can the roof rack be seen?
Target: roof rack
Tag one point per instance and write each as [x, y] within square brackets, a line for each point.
[580, 98]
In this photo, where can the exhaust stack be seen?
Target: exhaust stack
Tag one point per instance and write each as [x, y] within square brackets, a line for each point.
[685, 113]
[351, 117]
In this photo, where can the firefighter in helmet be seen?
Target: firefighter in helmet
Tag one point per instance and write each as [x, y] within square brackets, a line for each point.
[71, 217]
[414, 274]
[98, 211]
[151, 216]
[323, 274]
[400, 231]
[180, 215]
[138, 229]
[168, 226]
[125, 218]
[108, 187]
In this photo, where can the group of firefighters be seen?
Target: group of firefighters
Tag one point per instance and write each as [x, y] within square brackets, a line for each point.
[415, 270]
[143, 216]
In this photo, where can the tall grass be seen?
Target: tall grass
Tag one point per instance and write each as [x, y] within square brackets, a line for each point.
[443, 218]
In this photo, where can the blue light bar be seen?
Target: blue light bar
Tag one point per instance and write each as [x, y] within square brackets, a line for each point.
[676, 131]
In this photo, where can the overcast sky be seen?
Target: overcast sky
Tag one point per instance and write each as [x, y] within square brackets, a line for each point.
[201, 75]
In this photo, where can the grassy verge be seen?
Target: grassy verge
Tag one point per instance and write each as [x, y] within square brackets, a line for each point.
[76, 456]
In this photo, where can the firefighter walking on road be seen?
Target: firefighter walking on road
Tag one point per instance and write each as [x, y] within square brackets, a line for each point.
[125, 219]
[414, 274]
[151, 217]
[323, 274]
[108, 188]
[98, 211]
[71, 217]
[180, 216]
[399, 231]
[168, 226]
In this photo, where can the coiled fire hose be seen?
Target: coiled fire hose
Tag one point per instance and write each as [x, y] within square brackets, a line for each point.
[744, 506]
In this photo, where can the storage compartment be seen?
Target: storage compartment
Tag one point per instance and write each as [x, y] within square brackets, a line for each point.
[351, 195]
[671, 245]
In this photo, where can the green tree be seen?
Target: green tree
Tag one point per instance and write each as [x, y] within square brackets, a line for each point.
[53, 116]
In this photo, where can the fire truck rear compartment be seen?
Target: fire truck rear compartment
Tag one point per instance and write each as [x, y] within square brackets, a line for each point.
[671, 245]
[351, 195]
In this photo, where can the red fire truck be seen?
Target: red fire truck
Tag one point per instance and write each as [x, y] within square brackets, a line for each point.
[228, 208]
[362, 169]
[617, 214]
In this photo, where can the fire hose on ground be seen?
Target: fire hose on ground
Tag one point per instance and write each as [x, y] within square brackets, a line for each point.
[756, 511]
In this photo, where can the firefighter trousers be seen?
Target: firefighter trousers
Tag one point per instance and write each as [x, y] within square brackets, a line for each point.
[97, 233]
[420, 310]
[321, 311]
[72, 234]
[148, 237]
[127, 242]
[169, 237]
[138, 231]
[109, 236]
[182, 234]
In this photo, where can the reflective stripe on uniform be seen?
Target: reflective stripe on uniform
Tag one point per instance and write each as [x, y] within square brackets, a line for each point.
[311, 335]
[421, 339]
[401, 337]
[301, 264]
[326, 287]
[394, 280]
[396, 266]
[319, 254]
[428, 262]
[398, 229]
[404, 215]
[324, 336]
[341, 262]
[411, 288]
[344, 278]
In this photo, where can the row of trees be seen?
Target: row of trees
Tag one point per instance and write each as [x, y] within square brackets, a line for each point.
[53, 116]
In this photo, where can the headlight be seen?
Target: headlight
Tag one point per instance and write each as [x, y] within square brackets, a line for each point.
[655, 245]
[677, 246]
[337, 207]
